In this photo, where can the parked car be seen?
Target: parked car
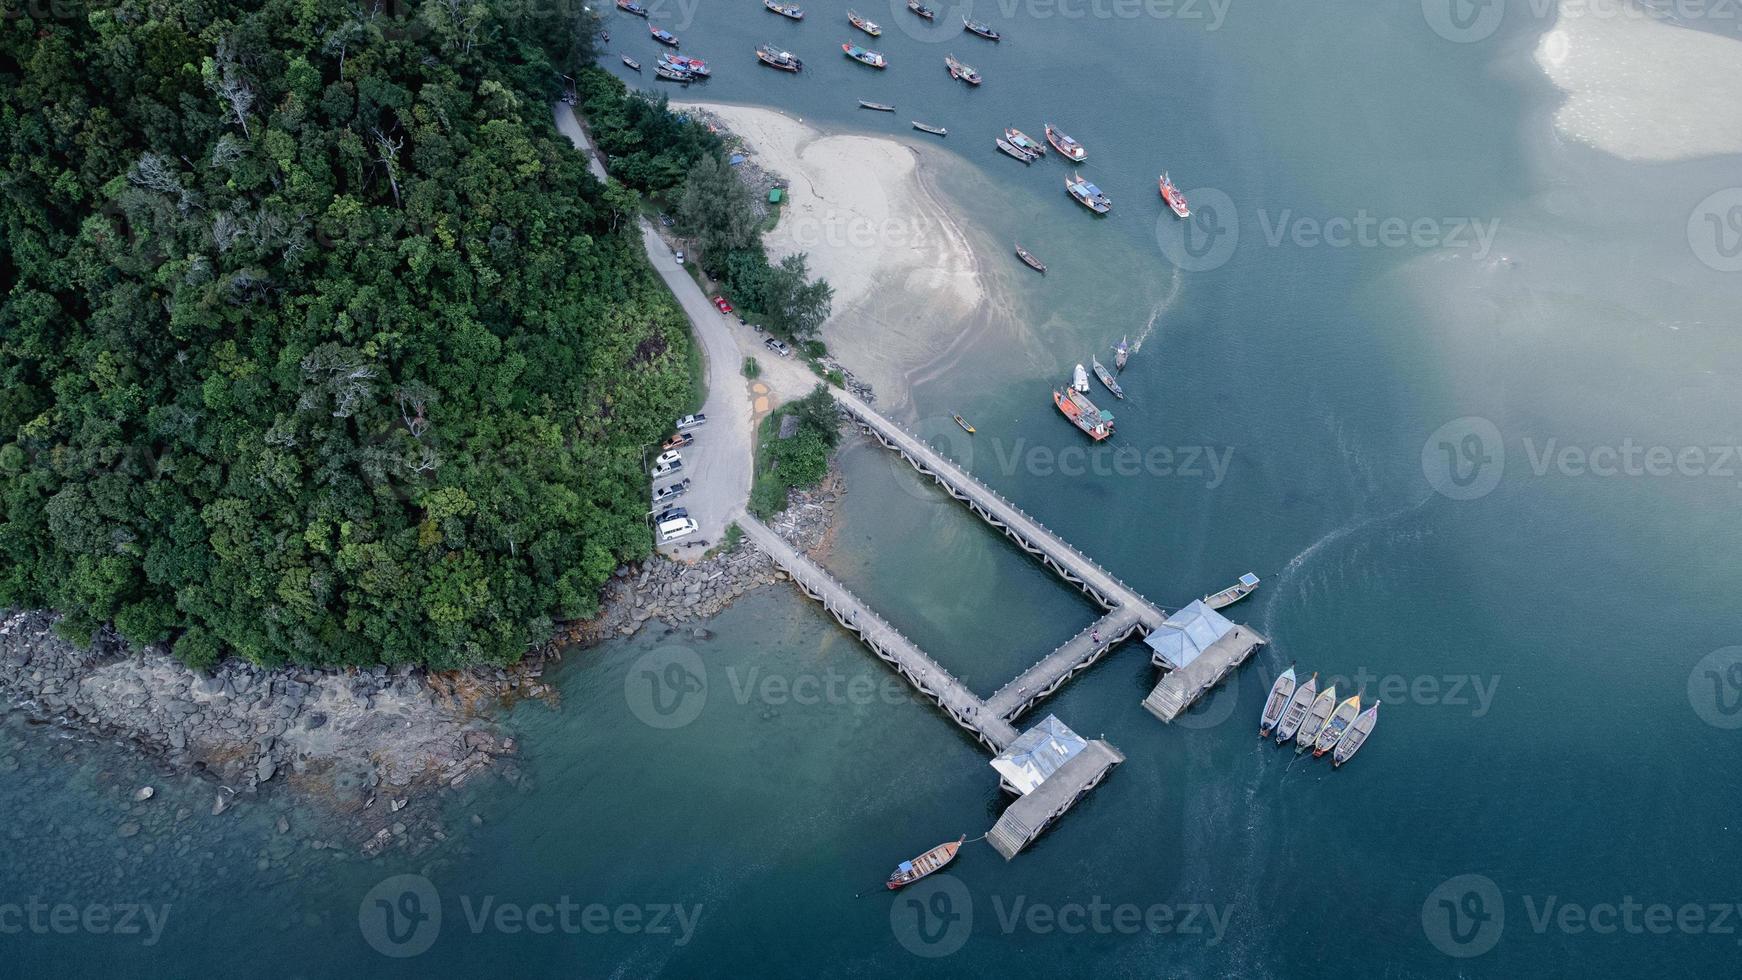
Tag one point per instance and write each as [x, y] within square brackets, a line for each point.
[678, 255]
[721, 304]
[778, 346]
[672, 530]
[667, 464]
[678, 441]
[671, 514]
[672, 492]
[691, 421]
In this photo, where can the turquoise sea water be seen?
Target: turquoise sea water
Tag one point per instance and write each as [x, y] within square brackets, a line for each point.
[1557, 702]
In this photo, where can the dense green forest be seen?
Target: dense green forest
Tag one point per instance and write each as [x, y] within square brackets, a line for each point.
[317, 343]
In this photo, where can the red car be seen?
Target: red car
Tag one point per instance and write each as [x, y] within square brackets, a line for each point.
[721, 304]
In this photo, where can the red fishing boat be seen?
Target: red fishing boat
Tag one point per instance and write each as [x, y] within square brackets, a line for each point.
[1174, 198]
[1075, 405]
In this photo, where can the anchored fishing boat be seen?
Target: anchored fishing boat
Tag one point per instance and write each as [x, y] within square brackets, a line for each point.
[1356, 736]
[1121, 354]
[1233, 593]
[1315, 719]
[1088, 195]
[1094, 423]
[921, 9]
[1296, 711]
[1070, 148]
[861, 23]
[632, 63]
[865, 56]
[1280, 694]
[1339, 723]
[908, 872]
[880, 107]
[671, 73]
[984, 30]
[1011, 149]
[1106, 377]
[631, 7]
[1080, 380]
[663, 36]
[960, 71]
[773, 57]
[695, 66]
[964, 424]
[791, 11]
[1174, 198]
[1026, 142]
[1029, 259]
[934, 130]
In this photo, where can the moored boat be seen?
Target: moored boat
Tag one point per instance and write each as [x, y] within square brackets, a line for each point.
[1011, 149]
[1106, 377]
[632, 63]
[1336, 726]
[791, 11]
[934, 130]
[964, 424]
[1121, 354]
[921, 9]
[1028, 259]
[1296, 711]
[1088, 195]
[1082, 413]
[695, 66]
[631, 7]
[908, 872]
[960, 71]
[1025, 142]
[773, 57]
[1280, 694]
[671, 73]
[1080, 379]
[1315, 719]
[1233, 593]
[880, 107]
[1174, 198]
[1356, 736]
[984, 30]
[861, 23]
[663, 36]
[1069, 148]
[865, 56]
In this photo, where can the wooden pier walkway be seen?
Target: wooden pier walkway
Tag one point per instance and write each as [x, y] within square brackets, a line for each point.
[1072, 657]
[1030, 815]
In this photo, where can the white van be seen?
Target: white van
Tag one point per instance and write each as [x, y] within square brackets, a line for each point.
[674, 529]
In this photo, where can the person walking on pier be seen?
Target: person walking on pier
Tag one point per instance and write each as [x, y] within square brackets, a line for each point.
[1095, 635]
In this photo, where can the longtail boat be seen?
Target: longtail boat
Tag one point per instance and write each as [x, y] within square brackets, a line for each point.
[1088, 195]
[695, 66]
[960, 71]
[663, 36]
[1121, 354]
[1336, 726]
[631, 7]
[1296, 711]
[1315, 719]
[1028, 259]
[934, 130]
[879, 106]
[908, 872]
[921, 9]
[1025, 141]
[861, 23]
[984, 30]
[1233, 593]
[671, 73]
[632, 63]
[964, 424]
[1356, 736]
[1070, 148]
[773, 57]
[791, 11]
[1012, 150]
[864, 56]
[1280, 694]
[1106, 377]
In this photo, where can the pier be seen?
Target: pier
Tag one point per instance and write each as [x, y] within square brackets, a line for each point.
[1029, 816]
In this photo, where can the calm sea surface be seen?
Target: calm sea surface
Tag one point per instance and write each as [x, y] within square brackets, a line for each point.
[1416, 362]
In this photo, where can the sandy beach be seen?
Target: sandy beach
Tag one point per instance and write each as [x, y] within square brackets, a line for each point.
[905, 275]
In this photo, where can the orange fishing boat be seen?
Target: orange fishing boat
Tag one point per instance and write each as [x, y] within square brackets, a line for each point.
[909, 872]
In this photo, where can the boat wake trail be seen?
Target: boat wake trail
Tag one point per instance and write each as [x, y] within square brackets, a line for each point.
[1160, 308]
[1293, 569]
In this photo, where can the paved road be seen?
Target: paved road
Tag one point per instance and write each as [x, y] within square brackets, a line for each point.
[718, 463]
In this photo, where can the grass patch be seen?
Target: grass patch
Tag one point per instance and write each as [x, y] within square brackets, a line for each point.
[801, 460]
[752, 369]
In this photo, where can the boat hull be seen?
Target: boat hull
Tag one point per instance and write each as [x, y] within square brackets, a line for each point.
[930, 862]
[1295, 713]
[1281, 693]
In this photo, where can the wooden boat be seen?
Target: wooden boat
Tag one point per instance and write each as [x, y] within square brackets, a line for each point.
[695, 66]
[934, 130]
[964, 424]
[908, 872]
[631, 7]
[1106, 377]
[773, 57]
[1077, 407]
[1026, 142]
[1234, 593]
[961, 72]
[984, 30]
[632, 63]
[791, 11]
[671, 73]
[861, 23]
[1069, 148]
[663, 36]
[880, 107]
[921, 9]
[1336, 726]
[1121, 354]
[1174, 197]
[1087, 194]
[865, 56]
[1315, 719]
[1296, 711]
[1356, 736]
[1280, 693]
[1011, 149]
[1029, 260]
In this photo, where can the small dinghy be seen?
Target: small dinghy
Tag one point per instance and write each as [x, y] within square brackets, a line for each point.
[934, 130]
[964, 424]
[632, 63]
[1029, 260]
[878, 106]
